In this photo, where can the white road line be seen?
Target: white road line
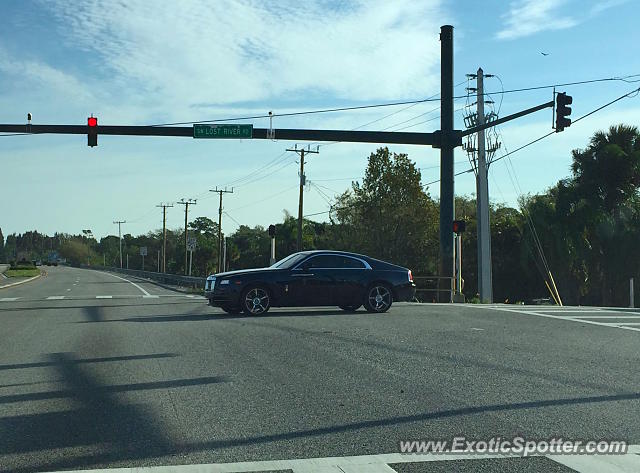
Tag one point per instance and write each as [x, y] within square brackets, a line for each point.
[55, 298]
[477, 329]
[565, 319]
[141, 289]
[598, 316]
[68, 290]
[150, 297]
[9, 299]
[628, 462]
[104, 297]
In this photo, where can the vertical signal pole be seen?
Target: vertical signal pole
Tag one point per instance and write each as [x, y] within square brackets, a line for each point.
[220, 191]
[120, 222]
[186, 203]
[301, 152]
[164, 237]
[446, 160]
[482, 202]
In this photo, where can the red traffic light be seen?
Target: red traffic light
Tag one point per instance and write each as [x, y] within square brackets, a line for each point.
[459, 226]
[92, 121]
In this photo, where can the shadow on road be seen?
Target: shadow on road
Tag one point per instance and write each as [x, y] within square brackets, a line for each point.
[219, 316]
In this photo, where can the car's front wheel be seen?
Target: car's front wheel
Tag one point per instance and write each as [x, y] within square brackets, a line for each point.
[256, 300]
[378, 298]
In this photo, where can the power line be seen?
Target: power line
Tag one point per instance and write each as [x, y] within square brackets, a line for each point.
[405, 102]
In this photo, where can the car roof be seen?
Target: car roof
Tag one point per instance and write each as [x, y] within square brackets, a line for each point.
[368, 259]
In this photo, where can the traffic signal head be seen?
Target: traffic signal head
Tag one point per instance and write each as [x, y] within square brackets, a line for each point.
[563, 111]
[272, 231]
[92, 132]
[459, 226]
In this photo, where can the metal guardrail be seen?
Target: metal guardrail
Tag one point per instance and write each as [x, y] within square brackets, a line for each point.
[169, 279]
[432, 284]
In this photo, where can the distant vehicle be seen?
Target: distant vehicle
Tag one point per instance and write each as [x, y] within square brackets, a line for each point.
[312, 278]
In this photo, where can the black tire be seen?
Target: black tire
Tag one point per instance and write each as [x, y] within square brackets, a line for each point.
[350, 308]
[231, 310]
[378, 298]
[255, 300]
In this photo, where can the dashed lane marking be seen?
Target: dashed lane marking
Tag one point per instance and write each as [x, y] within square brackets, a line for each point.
[55, 298]
[9, 299]
[104, 297]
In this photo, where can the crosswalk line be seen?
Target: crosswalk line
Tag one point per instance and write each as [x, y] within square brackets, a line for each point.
[55, 298]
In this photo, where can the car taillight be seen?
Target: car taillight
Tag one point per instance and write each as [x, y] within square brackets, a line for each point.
[410, 276]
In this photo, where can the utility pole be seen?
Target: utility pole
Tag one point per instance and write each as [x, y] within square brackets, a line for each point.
[120, 222]
[164, 237]
[485, 288]
[220, 191]
[447, 145]
[186, 203]
[302, 152]
[481, 152]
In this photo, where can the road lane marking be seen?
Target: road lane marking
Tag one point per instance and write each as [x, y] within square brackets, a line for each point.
[55, 298]
[150, 297]
[68, 290]
[477, 329]
[598, 316]
[104, 297]
[9, 299]
[548, 316]
[380, 463]
[141, 289]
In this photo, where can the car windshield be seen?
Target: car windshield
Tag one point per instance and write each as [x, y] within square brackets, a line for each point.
[290, 261]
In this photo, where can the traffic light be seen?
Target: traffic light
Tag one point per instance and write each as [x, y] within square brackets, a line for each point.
[272, 231]
[92, 132]
[459, 226]
[563, 111]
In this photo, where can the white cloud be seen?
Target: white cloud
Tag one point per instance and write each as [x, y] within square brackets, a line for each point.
[527, 17]
[192, 53]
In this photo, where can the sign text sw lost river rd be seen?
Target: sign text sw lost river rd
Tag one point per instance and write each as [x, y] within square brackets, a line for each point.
[222, 131]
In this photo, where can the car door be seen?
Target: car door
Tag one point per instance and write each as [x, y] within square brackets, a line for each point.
[313, 282]
[350, 280]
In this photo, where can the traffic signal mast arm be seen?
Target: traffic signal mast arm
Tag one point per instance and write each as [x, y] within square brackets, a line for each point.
[476, 129]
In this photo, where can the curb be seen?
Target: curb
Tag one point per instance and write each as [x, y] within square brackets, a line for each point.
[21, 282]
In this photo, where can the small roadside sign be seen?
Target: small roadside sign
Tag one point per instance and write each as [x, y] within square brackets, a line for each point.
[143, 251]
[191, 244]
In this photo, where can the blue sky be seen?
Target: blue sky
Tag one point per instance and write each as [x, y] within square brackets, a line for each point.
[130, 63]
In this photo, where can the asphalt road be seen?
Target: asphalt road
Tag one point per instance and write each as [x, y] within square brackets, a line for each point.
[96, 372]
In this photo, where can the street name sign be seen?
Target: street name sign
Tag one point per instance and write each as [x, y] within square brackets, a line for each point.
[222, 131]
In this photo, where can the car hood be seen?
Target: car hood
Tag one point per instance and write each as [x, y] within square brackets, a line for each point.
[241, 272]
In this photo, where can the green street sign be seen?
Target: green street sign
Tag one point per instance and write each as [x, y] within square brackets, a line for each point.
[223, 131]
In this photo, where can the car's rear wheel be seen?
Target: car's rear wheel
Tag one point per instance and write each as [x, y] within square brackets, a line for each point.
[256, 300]
[231, 310]
[378, 298]
[350, 308]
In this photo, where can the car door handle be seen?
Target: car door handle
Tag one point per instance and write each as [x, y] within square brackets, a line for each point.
[302, 275]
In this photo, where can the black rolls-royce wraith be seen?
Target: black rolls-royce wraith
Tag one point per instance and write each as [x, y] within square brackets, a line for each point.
[312, 278]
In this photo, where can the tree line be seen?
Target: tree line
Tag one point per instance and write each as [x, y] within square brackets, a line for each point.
[584, 231]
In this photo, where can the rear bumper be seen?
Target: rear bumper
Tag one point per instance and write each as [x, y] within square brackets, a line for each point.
[405, 293]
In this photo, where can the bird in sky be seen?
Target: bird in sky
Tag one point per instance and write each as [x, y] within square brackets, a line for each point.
[544, 54]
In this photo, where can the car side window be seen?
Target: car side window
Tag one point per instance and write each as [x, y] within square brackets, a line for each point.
[322, 261]
[333, 262]
[351, 263]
